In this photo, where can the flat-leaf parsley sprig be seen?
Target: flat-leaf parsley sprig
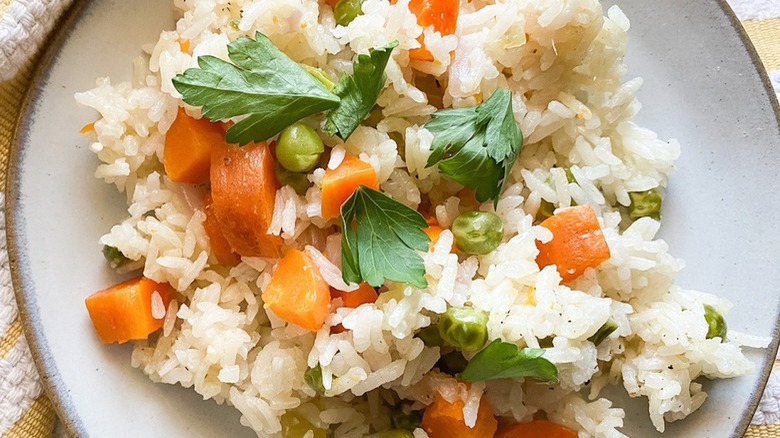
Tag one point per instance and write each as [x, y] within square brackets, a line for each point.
[263, 83]
[477, 146]
[359, 91]
[502, 360]
[380, 238]
[273, 91]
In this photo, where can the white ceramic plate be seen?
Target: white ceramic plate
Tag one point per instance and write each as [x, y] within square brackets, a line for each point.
[703, 86]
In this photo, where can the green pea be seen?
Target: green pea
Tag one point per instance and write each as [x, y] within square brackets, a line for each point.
[452, 363]
[299, 148]
[604, 331]
[346, 11]
[402, 420]
[644, 204]
[715, 322]
[313, 378]
[295, 425]
[546, 209]
[320, 76]
[464, 328]
[114, 257]
[298, 181]
[396, 433]
[430, 336]
[477, 232]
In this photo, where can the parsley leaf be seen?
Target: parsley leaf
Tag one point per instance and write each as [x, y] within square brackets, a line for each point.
[503, 136]
[359, 91]
[453, 128]
[473, 168]
[477, 146]
[379, 239]
[262, 82]
[501, 360]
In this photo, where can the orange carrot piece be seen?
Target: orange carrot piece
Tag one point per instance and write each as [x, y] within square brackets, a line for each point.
[443, 419]
[243, 189]
[331, 3]
[297, 293]
[225, 125]
[124, 311]
[339, 183]
[441, 14]
[188, 143]
[219, 245]
[362, 295]
[535, 429]
[433, 232]
[577, 244]
[184, 45]
[89, 127]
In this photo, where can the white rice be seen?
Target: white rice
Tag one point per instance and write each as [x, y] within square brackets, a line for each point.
[563, 62]
[158, 307]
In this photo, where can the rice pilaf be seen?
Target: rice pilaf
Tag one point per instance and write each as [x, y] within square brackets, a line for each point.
[562, 62]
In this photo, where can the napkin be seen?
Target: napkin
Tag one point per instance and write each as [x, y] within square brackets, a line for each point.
[761, 19]
[24, 409]
[23, 26]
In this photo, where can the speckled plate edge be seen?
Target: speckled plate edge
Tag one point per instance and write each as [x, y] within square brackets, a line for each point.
[24, 286]
[771, 352]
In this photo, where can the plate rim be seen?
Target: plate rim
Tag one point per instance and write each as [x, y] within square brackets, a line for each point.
[23, 286]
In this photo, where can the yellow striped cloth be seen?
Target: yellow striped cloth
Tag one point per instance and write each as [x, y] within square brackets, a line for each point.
[36, 417]
[29, 412]
[765, 34]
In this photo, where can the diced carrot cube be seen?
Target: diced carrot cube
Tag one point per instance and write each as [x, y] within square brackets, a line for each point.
[365, 293]
[577, 244]
[338, 184]
[123, 312]
[188, 143]
[441, 14]
[443, 419]
[297, 293]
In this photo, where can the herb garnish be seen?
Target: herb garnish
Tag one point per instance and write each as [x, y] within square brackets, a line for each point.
[477, 146]
[273, 91]
[359, 91]
[263, 83]
[379, 238]
[501, 360]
